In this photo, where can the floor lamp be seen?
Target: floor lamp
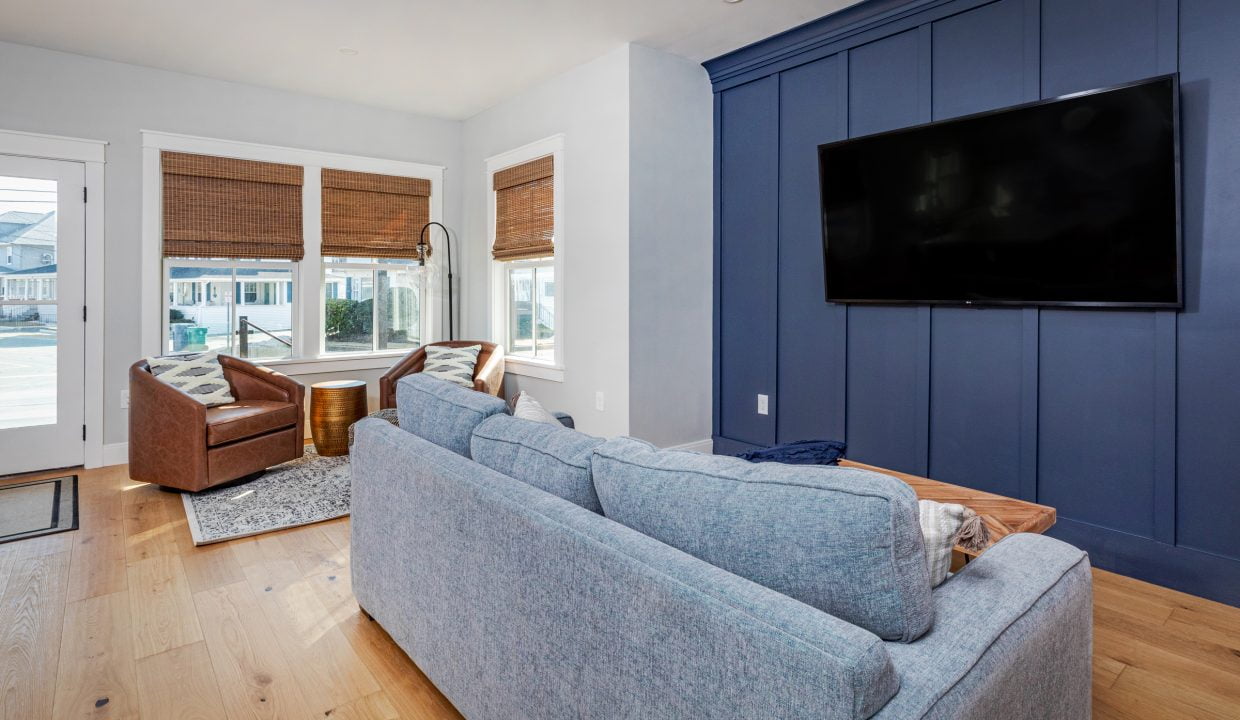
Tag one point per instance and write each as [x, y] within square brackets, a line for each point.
[424, 251]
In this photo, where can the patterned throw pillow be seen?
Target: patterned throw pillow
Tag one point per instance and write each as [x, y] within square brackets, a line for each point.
[200, 376]
[526, 407]
[456, 365]
[943, 527]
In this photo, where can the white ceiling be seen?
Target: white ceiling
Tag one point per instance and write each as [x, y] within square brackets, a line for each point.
[449, 58]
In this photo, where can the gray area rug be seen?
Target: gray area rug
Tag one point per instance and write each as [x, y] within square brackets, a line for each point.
[307, 490]
[38, 507]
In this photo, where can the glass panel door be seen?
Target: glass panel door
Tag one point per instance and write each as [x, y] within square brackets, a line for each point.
[41, 289]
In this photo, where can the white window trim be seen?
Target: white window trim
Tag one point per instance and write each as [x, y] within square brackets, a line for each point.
[92, 154]
[497, 288]
[308, 303]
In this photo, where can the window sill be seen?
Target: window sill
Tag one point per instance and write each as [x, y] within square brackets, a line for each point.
[335, 363]
[534, 369]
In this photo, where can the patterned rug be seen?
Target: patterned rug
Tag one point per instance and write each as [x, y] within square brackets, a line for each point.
[307, 490]
[38, 507]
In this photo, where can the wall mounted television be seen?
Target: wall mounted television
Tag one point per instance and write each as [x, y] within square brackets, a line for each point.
[1073, 201]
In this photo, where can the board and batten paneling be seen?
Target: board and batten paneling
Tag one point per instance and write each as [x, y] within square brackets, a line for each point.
[1208, 397]
[982, 59]
[812, 359]
[749, 134]
[888, 428]
[1128, 422]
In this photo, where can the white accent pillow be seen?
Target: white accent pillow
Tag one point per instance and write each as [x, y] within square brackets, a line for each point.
[200, 376]
[526, 407]
[943, 527]
[456, 365]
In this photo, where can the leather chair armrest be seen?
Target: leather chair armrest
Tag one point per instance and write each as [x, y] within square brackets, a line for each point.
[254, 382]
[411, 363]
[489, 378]
[167, 430]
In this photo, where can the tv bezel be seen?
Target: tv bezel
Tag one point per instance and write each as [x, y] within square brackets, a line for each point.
[1178, 304]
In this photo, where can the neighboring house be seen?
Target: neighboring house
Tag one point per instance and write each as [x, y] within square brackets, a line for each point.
[204, 295]
[38, 285]
[27, 240]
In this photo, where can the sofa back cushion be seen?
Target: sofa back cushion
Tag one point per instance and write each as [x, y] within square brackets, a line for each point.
[845, 541]
[549, 457]
[441, 412]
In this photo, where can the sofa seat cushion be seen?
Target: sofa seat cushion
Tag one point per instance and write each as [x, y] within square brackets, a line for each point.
[549, 457]
[843, 540]
[240, 420]
[443, 413]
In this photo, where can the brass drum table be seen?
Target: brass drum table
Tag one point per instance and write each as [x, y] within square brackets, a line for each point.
[334, 406]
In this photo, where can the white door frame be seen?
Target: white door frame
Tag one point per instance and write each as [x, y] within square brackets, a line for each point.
[92, 154]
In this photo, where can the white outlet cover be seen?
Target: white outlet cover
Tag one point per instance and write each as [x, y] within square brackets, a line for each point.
[598, 401]
[763, 404]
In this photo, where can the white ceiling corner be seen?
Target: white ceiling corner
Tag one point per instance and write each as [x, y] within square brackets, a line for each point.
[442, 58]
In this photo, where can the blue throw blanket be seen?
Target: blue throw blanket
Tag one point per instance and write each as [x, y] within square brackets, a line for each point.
[802, 452]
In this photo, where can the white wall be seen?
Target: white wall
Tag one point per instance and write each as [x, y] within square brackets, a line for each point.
[589, 105]
[57, 93]
[670, 248]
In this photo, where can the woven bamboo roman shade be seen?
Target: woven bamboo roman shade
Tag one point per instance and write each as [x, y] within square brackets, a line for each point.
[217, 207]
[367, 215]
[525, 210]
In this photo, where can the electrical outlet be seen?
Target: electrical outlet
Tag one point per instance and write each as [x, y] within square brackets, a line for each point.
[598, 401]
[125, 398]
[763, 405]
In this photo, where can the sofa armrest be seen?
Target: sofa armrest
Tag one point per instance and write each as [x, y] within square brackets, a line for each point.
[1011, 625]
[489, 378]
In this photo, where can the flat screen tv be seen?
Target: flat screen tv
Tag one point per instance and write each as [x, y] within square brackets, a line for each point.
[1066, 202]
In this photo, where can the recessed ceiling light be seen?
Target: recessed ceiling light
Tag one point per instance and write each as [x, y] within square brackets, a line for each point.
[351, 51]
[731, 2]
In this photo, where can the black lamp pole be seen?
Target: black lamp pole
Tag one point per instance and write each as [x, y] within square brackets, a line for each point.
[422, 253]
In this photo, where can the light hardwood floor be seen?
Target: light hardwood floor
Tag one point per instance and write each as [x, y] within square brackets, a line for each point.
[125, 618]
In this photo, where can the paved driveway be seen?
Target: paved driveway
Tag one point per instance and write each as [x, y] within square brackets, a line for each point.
[27, 377]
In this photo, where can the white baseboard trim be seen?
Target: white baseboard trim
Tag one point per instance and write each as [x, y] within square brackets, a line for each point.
[115, 454]
[703, 446]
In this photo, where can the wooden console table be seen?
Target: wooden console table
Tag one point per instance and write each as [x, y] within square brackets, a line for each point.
[1003, 515]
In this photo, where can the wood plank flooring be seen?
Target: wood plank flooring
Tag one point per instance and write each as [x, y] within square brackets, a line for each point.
[125, 618]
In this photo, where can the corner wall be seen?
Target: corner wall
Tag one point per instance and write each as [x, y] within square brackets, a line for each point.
[589, 105]
[670, 249]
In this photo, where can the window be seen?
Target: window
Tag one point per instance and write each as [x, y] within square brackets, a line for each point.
[371, 305]
[527, 257]
[249, 318]
[531, 309]
[242, 275]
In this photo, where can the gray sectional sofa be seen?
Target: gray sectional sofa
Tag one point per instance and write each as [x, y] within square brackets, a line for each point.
[532, 571]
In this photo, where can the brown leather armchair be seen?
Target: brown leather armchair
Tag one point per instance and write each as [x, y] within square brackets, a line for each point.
[178, 442]
[488, 373]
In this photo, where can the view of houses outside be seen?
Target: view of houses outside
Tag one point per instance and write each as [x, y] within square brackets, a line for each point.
[27, 297]
[205, 304]
[246, 308]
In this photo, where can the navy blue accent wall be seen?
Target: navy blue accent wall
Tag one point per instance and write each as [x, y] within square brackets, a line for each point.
[1127, 422]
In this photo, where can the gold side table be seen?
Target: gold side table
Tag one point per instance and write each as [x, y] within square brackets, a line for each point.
[334, 406]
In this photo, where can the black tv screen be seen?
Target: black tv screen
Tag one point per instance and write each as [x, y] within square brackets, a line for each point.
[1071, 201]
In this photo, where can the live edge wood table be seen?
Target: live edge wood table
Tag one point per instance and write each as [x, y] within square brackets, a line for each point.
[1003, 515]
